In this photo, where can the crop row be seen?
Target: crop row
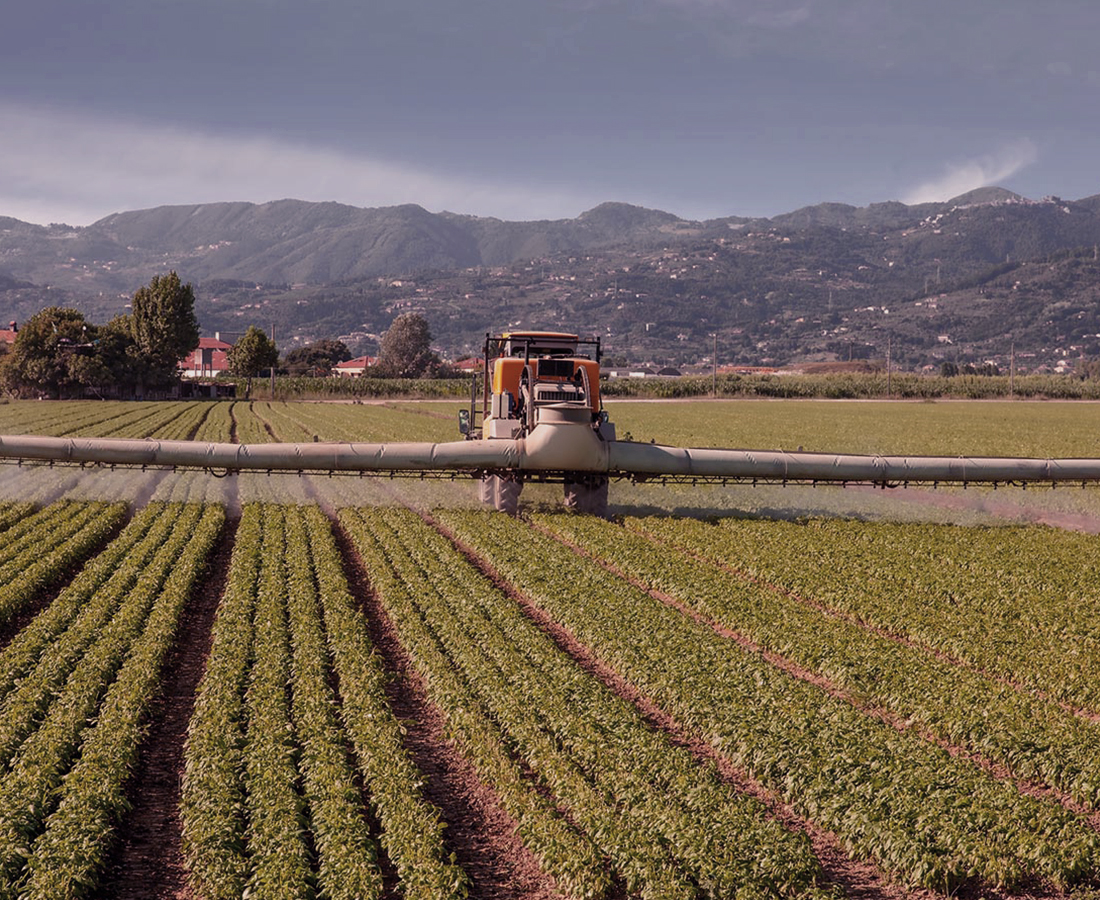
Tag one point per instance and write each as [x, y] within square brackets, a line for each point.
[180, 427]
[668, 826]
[42, 548]
[1031, 737]
[250, 427]
[54, 418]
[412, 830]
[564, 852]
[85, 600]
[78, 683]
[33, 528]
[351, 422]
[268, 779]
[217, 426]
[158, 419]
[12, 513]
[261, 421]
[925, 816]
[1029, 592]
[214, 421]
[77, 418]
[136, 420]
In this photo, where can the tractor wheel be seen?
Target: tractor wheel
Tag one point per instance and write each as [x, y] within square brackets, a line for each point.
[588, 497]
[595, 499]
[487, 489]
[507, 495]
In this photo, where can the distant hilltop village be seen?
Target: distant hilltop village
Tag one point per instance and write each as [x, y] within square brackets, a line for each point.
[985, 279]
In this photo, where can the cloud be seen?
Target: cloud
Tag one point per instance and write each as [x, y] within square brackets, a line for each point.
[777, 15]
[771, 17]
[59, 166]
[975, 173]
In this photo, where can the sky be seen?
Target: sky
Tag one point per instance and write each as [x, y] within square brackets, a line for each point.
[541, 109]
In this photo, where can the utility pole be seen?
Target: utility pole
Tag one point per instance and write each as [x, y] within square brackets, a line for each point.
[1012, 370]
[889, 347]
[272, 368]
[714, 367]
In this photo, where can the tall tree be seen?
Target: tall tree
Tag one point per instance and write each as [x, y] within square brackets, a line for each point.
[49, 353]
[406, 351]
[118, 354]
[317, 358]
[252, 353]
[164, 327]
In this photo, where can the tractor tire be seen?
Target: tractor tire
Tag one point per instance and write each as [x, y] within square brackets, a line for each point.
[507, 495]
[595, 498]
[588, 497]
[487, 490]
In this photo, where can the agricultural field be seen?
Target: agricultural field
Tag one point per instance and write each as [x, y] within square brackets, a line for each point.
[304, 686]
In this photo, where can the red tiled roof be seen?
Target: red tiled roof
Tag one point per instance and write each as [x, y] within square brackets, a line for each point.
[215, 352]
[360, 362]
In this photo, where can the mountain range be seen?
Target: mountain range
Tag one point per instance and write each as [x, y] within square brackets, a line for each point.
[976, 278]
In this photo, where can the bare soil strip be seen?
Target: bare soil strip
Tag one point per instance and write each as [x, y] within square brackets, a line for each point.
[267, 425]
[998, 771]
[148, 861]
[857, 879]
[479, 832]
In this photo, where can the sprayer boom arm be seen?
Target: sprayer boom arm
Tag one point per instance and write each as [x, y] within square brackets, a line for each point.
[548, 450]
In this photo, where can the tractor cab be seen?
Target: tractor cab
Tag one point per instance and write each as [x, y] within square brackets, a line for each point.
[527, 372]
[532, 375]
[540, 377]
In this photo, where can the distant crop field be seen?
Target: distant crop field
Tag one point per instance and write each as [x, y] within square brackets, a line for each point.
[933, 428]
[312, 686]
[989, 428]
[942, 427]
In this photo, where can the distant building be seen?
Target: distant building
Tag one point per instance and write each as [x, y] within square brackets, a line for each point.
[354, 368]
[8, 335]
[209, 359]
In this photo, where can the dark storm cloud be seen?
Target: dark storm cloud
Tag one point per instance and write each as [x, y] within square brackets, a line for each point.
[702, 107]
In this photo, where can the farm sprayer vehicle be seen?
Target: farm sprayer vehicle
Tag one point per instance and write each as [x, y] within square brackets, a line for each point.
[541, 419]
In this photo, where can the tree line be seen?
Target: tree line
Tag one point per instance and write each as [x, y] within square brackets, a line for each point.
[57, 353]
